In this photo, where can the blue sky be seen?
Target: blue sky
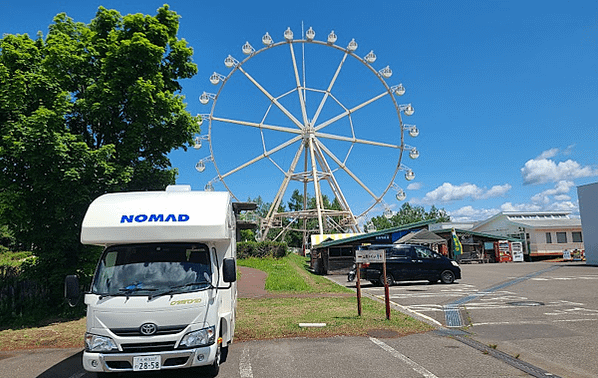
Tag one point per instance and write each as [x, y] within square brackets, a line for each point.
[505, 94]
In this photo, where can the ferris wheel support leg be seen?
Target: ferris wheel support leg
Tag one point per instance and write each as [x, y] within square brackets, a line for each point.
[336, 189]
[278, 199]
[316, 186]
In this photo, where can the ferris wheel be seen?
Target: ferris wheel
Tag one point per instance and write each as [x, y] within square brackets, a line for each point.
[321, 118]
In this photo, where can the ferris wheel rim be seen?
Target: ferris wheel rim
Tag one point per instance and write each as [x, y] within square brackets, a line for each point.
[387, 91]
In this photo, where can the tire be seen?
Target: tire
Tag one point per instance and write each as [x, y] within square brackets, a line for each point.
[447, 277]
[389, 279]
[214, 369]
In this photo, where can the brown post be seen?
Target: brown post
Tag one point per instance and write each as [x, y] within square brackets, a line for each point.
[386, 293]
[358, 275]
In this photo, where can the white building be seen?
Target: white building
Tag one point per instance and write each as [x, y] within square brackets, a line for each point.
[546, 233]
[588, 209]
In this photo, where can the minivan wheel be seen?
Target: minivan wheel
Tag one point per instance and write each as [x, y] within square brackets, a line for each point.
[447, 277]
[389, 279]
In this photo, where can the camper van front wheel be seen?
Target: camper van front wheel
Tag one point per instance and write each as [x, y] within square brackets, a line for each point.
[212, 370]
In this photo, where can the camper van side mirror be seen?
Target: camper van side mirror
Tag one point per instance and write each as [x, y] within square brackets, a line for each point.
[229, 270]
[71, 289]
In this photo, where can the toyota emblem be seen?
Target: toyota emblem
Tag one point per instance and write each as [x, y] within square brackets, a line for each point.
[148, 329]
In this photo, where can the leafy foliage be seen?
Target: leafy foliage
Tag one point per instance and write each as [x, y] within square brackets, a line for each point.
[261, 249]
[410, 214]
[90, 109]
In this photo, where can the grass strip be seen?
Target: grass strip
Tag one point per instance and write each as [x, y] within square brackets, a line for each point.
[279, 317]
[273, 318]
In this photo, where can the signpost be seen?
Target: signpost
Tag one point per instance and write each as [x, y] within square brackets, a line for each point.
[367, 257]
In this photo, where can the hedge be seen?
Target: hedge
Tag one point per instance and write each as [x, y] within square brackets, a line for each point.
[261, 249]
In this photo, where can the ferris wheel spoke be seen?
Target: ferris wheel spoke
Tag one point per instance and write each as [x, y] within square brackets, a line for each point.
[356, 140]
[258, 125]
[349, 111]
[328, 91]
[347, 170]
[271, 98]
[299, 88]
[264, 155]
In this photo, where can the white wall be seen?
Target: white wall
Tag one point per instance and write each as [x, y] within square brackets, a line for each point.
[588, 209]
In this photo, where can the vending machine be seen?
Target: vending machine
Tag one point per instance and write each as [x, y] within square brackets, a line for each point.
[502, 248]
[517, 251]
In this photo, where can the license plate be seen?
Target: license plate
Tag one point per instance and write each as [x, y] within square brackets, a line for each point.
[144, 363]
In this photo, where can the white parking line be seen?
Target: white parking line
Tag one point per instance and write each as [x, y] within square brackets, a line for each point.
[245, 370]
[417, 368]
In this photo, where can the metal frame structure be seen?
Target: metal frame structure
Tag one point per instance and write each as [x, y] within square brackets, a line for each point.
[310, 136]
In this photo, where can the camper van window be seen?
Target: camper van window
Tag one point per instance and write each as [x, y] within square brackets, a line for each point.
[153, 269]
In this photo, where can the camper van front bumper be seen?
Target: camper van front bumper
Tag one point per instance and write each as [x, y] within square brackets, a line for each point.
[125, 362]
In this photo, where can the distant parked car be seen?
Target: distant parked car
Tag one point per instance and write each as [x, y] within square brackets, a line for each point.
[406, 262]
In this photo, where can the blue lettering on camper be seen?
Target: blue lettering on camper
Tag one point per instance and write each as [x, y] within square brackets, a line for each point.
[128, 219]
[156, 218]
[140, 218]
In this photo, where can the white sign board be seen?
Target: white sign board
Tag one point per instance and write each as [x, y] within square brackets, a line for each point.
[370, 256]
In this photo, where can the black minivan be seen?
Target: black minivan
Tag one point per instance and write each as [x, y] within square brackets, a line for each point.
[407, 262]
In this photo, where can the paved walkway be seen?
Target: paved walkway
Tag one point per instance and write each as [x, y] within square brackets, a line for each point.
[251, 283]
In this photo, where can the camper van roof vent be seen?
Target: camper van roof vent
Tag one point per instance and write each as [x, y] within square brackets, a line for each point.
[178, 188]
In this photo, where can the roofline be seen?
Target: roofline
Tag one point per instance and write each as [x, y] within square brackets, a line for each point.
[326, 244]
[519, 212]
[491, 236]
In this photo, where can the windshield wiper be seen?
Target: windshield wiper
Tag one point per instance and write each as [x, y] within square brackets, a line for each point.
[126, 291]
[174, 289]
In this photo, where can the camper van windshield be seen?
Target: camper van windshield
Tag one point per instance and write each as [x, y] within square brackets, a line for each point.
[153, 269]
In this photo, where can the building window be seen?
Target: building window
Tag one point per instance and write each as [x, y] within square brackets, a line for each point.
[561, 237]
[548, 237]
[576, 235]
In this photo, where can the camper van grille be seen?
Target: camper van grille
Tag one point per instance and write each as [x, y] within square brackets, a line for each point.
[148, 347]
[136, 332]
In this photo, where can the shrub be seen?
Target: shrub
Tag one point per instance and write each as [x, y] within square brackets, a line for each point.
[261, 249]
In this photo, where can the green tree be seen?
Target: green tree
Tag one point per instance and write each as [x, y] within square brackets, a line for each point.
[89, 109]
[410, 214]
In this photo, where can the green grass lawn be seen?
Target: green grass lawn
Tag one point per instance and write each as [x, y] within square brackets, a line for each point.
[298, 296]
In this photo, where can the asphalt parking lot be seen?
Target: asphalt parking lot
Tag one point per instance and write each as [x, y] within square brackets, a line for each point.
[500, 320]
[543, 313]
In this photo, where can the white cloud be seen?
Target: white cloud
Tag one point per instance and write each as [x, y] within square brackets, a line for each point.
[471, 214]
[448, 192]
[497, 191]
[558, 193]
[414, 186]
[508, 206]
[548, 154]
[542, 169]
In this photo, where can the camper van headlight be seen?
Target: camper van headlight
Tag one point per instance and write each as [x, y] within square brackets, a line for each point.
[454, 263]
[205, 336]
[96, 343]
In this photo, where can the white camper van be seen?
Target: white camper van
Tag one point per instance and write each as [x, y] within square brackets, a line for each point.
[163, 295]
